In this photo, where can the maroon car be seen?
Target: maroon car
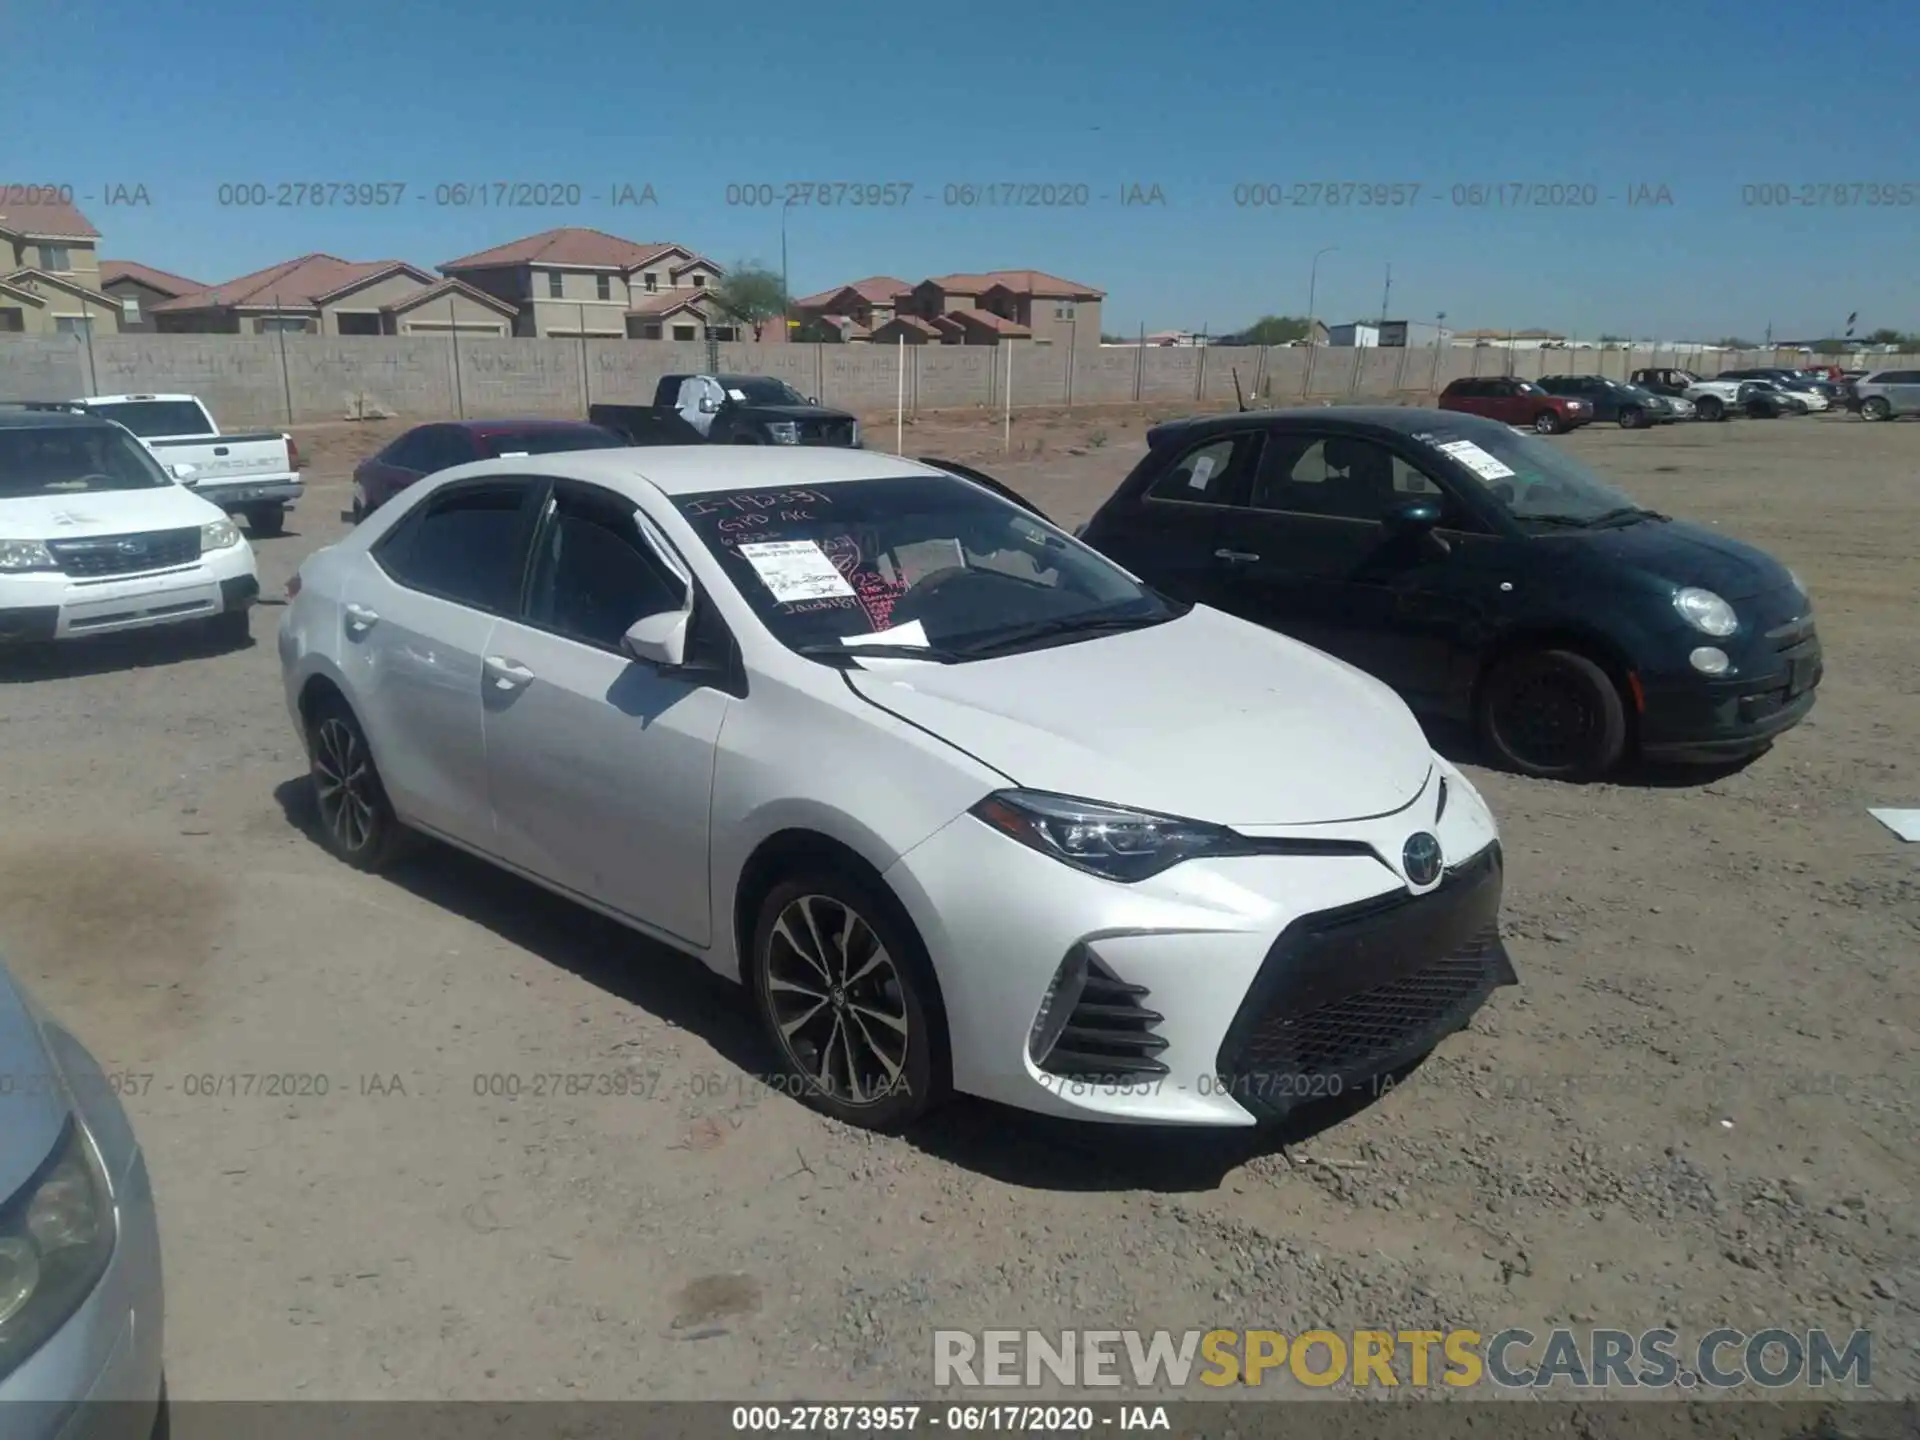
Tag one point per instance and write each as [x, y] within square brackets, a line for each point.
[1516, 402]
[426, 449]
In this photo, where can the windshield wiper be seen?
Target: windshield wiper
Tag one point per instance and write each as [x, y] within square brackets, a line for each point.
[1623, 513]
[835, 650]
[1062, 625]
[1578, 522]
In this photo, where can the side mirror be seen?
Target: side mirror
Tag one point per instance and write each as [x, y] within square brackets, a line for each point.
[184, 473]
[708, 405]
[813, 399]
[659, 639]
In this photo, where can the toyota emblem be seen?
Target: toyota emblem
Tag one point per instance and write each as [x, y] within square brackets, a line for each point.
[1421, 859]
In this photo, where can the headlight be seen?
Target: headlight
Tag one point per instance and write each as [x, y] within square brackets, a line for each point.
[21, 555]
[219, 534]
[1105, 840]
[56, 1237]
[784, 432]
[1705, 611]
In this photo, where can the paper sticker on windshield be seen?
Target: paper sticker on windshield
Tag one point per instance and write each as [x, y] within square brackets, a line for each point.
[795, 570]
[1202, 468]
[1475, 459]
[911, 633]
[739, 396]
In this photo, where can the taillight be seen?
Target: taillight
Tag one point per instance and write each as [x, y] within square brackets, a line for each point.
[293, 585]
[293, 453]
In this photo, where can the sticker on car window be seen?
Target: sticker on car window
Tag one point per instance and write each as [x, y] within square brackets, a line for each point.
[1486, 466]
[1202, 468]
[795, 570]
[911, 633]
[739, 396]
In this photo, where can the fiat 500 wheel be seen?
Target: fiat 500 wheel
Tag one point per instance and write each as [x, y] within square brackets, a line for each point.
[1553, 714]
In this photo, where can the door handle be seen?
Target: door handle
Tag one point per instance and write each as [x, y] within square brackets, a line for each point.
[361, 618]
[1236, 557]
[507, 674]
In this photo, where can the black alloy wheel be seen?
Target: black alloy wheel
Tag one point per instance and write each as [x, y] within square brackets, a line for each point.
[1553, 714]
[847, 997]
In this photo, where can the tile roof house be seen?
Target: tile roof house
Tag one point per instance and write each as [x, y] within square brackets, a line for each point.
[138, 288]
[318, 294]
[968, 308]
[50, 267]
[575, 281]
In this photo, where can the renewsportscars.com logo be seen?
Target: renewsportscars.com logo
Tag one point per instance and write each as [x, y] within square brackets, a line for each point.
[1510, 1359]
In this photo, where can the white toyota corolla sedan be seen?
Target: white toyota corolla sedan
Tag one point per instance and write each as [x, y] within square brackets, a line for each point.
[964, 805]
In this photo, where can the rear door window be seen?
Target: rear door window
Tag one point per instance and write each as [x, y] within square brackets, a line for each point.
[466, 544]
[1213, 472]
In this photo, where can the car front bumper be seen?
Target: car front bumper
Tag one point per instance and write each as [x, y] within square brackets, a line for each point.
[99, 1376]
[1702, 719]
[1222, 992]
[47, 605]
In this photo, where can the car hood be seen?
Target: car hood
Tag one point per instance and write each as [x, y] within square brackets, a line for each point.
[32, 1111]
[1689, 554]
[77, 514]
[1205, 717]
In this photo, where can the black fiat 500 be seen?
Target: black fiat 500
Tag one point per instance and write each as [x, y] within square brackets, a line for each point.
[1486, 575]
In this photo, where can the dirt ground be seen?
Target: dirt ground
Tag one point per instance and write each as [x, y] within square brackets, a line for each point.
[1698, 1109]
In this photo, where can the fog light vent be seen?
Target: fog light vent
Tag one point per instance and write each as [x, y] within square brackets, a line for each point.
[1094, 1024]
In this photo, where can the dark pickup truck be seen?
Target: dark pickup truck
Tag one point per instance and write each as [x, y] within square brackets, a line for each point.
[728, 410]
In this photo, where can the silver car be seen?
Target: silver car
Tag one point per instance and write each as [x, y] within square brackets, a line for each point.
[1884, 394]
[80, 1292]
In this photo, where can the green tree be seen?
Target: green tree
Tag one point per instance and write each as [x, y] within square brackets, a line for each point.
[1734, 342]
[1274, 330]
[752, 294]
[1884, 336]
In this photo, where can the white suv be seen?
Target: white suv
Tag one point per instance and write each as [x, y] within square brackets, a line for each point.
[96, 537]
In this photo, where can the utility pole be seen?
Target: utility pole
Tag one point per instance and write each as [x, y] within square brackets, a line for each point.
[1386, 296]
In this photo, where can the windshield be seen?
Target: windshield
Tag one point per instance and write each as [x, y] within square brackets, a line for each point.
[1531, 478]
[148, 418]
[924, 561]
[71, 459]
[549, 440]
[760, 390]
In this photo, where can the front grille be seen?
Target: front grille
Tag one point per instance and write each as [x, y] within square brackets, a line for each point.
[1352, 993]
[1109, 1034]
[126, 554]
[826, 432]
[1794, 633]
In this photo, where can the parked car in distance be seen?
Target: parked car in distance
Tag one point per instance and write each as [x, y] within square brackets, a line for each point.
[1628, 406]
[1712, 399]
[1815, 394]
[96, 537]
[729, 410]
[1764, 400]
[1487, 576]
[1516, 402]
[440, 446]
[82, 1308]
[255, 475]
[959, 800]
[1884, 394]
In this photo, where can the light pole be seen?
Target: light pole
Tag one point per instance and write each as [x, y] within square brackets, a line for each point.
[1313, 281]
[786, 294]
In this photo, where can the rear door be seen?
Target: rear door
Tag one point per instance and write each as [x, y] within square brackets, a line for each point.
[417, 616]
[1168, 534]
[1467, 396]
[601, 766]
[1903, 390]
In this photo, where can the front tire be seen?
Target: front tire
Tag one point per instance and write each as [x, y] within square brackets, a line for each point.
[1547, 422]
[1876, 407]
[231, 629]
[357, 823]
[1711, 408]
[1552, 714]
[1633, 418]
[848, 999]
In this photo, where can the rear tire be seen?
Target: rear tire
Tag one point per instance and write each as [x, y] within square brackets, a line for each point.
[1547, 422]
[356, 820]
[267, 520]
[1552, 714]
[848, 1000]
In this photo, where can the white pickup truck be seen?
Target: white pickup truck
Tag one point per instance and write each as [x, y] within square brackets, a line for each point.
[255, 474]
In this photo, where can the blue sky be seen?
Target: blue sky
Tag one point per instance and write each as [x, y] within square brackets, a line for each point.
[1701, 97]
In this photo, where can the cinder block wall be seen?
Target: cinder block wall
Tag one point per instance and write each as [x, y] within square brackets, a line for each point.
[251, 380]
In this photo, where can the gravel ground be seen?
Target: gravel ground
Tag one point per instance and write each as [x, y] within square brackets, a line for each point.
[1698, 1108]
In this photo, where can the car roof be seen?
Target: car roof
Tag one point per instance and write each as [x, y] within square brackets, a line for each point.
[1397, 419]
[123, 399]
[17, 416]
[495, 427]
[693, 469]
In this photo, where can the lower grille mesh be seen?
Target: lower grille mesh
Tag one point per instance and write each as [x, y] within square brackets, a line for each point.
[1109, 1032]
